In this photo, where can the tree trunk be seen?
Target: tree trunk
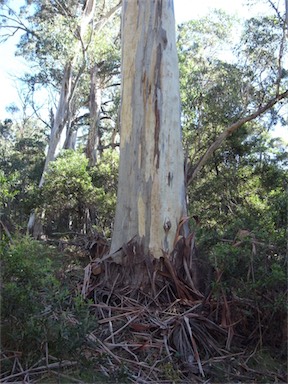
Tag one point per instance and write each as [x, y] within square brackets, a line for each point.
[69, 84]
[151, 189]
[63, 112]
[71, 138]
[94, 107]
[60, 119]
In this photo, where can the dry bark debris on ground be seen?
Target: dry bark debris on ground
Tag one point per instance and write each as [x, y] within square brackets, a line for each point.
[151, 340]
[170, 334]
[143, 343]
[157, 344]
[173, 332]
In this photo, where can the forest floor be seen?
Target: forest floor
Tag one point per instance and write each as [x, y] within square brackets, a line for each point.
[117, 339]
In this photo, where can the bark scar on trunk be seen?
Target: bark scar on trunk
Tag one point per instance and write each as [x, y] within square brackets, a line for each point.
[157, 94]
[170, 178]
[163, 35]
[156, 134]
[167, 225]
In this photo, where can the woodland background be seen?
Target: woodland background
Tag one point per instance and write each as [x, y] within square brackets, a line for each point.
[237, 202]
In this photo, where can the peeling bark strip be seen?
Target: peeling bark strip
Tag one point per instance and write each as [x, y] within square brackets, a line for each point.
[156, 137]
[149, 204]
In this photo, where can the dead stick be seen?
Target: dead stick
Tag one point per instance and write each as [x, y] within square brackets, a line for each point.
[7, 231]
[43, 367]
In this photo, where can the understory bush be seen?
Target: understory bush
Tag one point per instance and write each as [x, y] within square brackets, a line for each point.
[76, 197]
[251, 276]
[39, 312]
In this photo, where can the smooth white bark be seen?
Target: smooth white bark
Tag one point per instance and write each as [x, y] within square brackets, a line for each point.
[151, 192]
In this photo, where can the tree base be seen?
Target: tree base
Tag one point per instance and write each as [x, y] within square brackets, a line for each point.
[152, 317]
[172, 277]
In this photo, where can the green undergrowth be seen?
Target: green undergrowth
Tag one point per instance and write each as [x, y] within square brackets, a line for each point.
[44, 320]
[43, 317]
[42, 311]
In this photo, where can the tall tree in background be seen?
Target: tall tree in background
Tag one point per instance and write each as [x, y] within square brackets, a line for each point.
[151, 190]
[65, 112]
[95, 109]
[73, 51]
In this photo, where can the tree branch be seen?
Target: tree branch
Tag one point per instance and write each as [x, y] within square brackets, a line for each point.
[19, 25]
[100, 24]
[193, 171]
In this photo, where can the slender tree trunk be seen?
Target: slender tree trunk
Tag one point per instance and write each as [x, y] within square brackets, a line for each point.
[60, 119]
[94, 107]
[64, 109]
[63, 112]
[70, 142]
[151, 191]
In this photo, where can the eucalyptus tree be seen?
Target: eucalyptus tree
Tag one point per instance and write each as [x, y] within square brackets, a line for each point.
[70, 83]
[85, 26]
[57, 39]
[151, 189]
[229, 105]
[148, 208]
[104, 75]
[220, 97]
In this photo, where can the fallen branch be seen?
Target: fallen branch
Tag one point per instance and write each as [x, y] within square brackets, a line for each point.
[41, 369]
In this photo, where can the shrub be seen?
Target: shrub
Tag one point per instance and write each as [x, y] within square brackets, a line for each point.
[75, 196]
[36, 308]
